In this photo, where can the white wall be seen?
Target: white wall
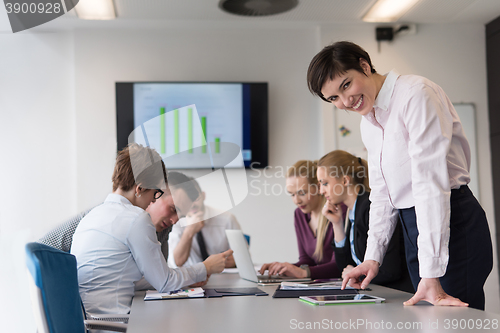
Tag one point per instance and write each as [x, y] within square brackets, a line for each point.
[37, 159]
[453, 56]
[57, 112]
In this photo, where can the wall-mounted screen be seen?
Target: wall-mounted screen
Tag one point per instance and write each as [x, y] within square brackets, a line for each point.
[195, 124]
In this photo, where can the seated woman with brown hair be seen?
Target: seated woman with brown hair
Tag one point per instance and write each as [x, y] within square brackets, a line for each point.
[116, 243]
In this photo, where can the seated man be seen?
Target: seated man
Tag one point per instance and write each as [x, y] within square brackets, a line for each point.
[195, 241]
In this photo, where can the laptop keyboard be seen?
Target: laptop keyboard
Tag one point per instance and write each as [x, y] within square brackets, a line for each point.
[273, 278]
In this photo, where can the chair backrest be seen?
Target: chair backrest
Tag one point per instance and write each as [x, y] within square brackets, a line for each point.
[247, 238]
[54, 273]
[61, 237]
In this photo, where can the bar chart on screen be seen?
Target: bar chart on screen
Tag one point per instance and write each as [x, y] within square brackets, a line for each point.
[190, 125]
[206, 134]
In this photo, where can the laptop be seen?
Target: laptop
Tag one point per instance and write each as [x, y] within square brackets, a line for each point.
[239, 245]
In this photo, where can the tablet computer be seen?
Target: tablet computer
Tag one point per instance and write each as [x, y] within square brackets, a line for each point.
[341, 299]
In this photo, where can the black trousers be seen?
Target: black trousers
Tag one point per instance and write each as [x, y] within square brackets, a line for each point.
[470, 249]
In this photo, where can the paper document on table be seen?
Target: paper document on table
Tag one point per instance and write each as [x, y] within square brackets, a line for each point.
[180, 293]
[319, 286]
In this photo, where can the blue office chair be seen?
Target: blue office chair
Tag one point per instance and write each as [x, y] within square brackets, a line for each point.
[247, 238]
[54, 291]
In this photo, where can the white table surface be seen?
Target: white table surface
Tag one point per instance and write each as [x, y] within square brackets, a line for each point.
[266, 314]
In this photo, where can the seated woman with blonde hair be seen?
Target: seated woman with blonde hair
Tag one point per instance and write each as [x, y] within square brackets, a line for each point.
[343, 179]
[314, 232]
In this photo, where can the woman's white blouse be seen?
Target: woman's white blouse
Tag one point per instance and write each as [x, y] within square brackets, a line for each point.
[115, 245]
[417, 153]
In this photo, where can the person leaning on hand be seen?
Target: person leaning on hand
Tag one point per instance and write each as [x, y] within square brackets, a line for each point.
[418, 162]
[343, 179]
[204, 232]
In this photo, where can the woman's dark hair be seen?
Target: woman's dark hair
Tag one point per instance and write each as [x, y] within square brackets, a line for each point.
[178, 180]
[333, 60]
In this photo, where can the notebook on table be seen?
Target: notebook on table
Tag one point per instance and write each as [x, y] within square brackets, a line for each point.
[220, 292]
[243, 261]
[176, 294]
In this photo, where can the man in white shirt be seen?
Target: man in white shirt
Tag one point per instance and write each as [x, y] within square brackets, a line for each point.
[191, 242]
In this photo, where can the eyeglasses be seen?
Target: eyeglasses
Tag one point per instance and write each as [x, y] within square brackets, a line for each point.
[158, 194]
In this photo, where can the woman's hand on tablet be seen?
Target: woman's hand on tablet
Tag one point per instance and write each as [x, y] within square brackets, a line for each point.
[359, 277]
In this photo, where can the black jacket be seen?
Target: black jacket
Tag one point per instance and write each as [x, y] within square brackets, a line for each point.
[393, 273]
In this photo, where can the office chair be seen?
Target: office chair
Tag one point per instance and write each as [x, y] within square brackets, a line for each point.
[61, 237]
[55, 297]
[247, 238]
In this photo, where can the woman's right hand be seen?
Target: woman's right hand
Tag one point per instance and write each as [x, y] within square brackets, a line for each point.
[217, 262]
[194, 223]
[359, 277]
[333, 213]
[273, 268]
[283, 268]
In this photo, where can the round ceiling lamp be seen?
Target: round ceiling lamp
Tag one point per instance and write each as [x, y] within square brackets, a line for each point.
[257, 7]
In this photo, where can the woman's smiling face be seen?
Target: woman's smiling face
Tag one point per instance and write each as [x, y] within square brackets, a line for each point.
[352, 90]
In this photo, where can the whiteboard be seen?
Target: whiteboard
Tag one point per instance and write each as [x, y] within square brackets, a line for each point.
[348, 136]
[467, 114]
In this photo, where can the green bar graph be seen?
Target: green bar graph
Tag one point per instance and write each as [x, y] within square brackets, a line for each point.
[204, 137]
[163, 150]
[190, 130]
[217, 145]
[176, 132]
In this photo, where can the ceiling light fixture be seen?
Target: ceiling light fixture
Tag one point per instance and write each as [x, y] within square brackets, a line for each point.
[96, 10]
[388, 10]
[257, 7]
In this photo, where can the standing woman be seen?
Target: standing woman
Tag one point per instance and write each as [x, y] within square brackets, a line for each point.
[419, 162]
[343, 179]
[314, 232]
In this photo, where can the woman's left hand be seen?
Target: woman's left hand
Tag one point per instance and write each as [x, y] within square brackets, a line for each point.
[347, 270]
[430, 290]
[333, 213]
[288, 269]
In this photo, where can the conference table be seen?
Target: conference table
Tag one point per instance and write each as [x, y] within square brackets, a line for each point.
[266, 314]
